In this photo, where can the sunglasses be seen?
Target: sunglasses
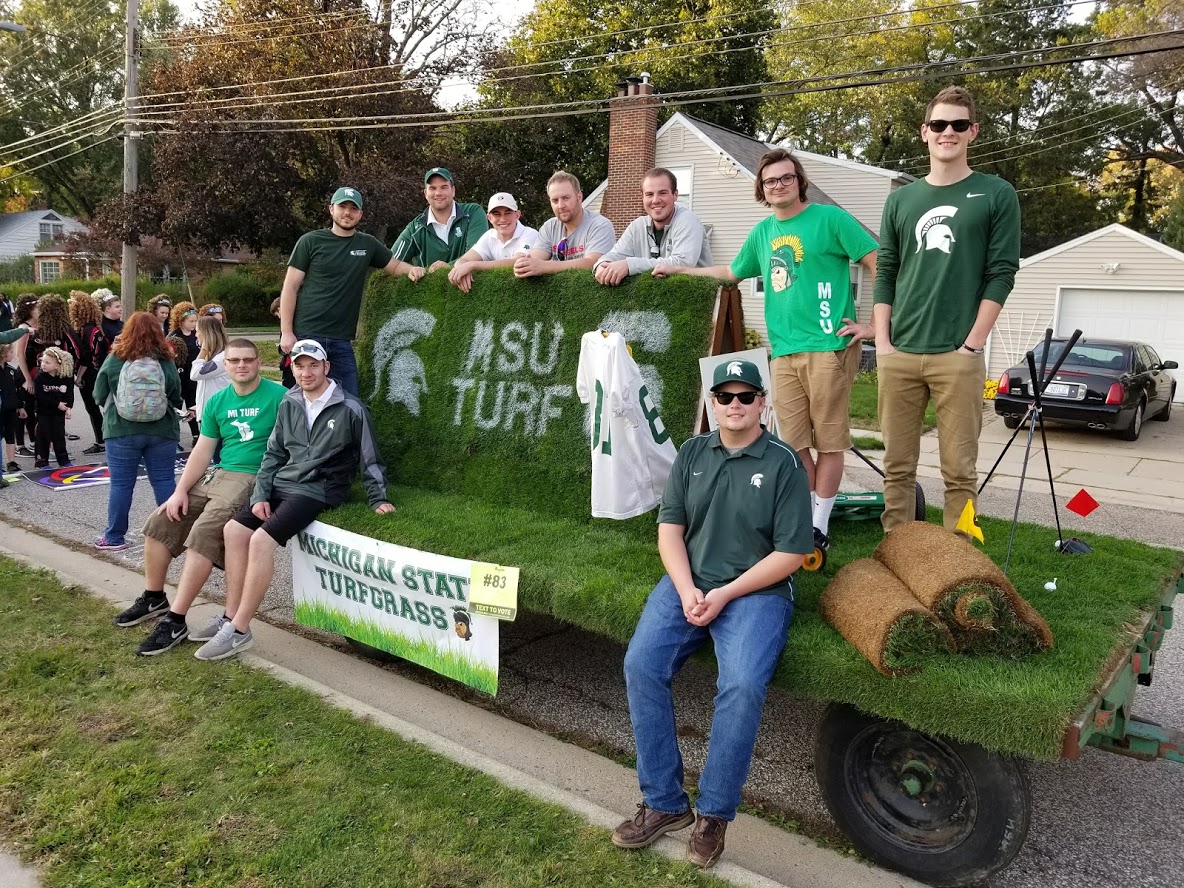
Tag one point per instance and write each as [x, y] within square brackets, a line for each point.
[561, 249]
[939, 126]
[784, 181]
[726, 398]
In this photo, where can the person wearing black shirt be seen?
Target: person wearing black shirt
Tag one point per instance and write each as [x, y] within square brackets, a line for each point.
[112, 310]
[53, 391]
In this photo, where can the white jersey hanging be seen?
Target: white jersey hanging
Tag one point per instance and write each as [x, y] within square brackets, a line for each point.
[631, 449]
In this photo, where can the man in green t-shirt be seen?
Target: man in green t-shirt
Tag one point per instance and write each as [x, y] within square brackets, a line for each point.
[240, 418]
[322, 293]
[444, 231]
[803, 253]
[949, 251]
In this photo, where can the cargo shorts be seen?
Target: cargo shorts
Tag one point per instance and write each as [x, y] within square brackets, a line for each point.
[212, 502]
[812, 398]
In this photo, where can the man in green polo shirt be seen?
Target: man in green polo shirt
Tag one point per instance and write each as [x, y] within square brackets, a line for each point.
[322, 294]
[445, 231]
[733, 527]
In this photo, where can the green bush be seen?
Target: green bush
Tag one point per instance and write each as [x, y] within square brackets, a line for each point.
[145, 289]
[18, 271]
[244, 298]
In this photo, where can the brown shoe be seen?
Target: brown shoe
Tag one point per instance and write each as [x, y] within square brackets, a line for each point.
[707, 841]
[648, 825]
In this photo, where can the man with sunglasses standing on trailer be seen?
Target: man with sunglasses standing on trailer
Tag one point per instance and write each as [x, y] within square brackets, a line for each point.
[949, 251]
[574, 238]
[804, 253]
[733, 527]
[322, 293]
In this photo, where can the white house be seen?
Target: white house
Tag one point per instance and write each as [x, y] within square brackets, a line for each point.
[1113, 283]
[716, 172]
[22, 233]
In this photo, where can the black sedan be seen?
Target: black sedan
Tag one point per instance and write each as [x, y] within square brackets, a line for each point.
[1103, 384]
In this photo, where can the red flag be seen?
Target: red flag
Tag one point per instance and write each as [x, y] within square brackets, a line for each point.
[1082, 503]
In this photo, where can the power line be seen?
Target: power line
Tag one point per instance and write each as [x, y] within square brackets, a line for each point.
[17, 173]
[76, 123]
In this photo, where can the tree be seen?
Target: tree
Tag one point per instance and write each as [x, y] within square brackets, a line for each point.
[684, 46]
[64, 77]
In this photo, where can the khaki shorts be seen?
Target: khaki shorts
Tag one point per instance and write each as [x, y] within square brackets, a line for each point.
[211, 504]
[812, 398]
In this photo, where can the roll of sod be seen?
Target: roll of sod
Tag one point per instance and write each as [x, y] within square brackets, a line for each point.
[878, 615]
[965, 589]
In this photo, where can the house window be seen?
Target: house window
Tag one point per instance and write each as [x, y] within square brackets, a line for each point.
[52, 231]
[50, 270]
[686, 183]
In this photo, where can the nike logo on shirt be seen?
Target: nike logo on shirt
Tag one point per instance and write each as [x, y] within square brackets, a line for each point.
[973, 194]
[696, 474]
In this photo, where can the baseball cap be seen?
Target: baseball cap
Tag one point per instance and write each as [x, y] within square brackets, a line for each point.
[737, 371]
[502, 199]
[309, 347]
[347, 195]
[436, 171]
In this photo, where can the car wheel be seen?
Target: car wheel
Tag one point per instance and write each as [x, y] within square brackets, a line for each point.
[939, 810]
[1012, 422]
[1131, 432]
[1166, 414]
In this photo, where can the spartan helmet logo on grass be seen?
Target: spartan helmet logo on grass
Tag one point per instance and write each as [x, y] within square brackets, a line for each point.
[408, 377]
[932, 231]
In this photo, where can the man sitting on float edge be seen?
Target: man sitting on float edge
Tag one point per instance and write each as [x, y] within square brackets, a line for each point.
[733, 526]
[321, 434]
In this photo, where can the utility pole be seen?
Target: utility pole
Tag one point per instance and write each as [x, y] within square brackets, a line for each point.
[131, 165]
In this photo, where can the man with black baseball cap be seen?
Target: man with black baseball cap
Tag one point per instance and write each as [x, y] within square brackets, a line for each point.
[733, 527]
[445, 231]
[322, 293]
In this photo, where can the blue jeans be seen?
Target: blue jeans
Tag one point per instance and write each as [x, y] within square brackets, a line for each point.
[748, 635]
[343, 366]
[123, 460]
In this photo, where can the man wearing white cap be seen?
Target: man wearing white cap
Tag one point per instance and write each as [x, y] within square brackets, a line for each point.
[322, 435]
[497, 247]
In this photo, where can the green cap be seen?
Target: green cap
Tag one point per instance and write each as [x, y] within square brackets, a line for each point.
[737, 371]
[347, 195]
[436, 171]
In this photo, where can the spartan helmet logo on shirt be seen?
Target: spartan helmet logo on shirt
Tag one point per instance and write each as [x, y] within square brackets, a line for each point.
[787, 256]
[932, 231]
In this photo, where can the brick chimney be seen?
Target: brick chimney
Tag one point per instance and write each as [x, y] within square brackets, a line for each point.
[632, 146]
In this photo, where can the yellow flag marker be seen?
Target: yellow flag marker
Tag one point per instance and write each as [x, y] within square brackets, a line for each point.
[966, 523]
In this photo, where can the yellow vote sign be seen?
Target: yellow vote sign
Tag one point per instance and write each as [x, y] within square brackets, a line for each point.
[493, 590]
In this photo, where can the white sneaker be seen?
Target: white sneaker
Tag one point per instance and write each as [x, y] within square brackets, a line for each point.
[225, 644]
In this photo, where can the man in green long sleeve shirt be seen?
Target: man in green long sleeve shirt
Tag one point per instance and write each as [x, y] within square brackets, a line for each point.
[443, 232]
[949, 251]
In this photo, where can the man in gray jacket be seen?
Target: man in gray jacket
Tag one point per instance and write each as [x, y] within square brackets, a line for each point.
[322, 433]
[666, 235]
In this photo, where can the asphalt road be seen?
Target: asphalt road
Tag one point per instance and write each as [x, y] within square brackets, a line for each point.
[1102, 819]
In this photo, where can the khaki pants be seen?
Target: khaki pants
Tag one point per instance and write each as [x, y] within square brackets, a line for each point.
[906, 383]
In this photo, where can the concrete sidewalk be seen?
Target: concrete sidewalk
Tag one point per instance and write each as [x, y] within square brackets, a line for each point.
[589, 785]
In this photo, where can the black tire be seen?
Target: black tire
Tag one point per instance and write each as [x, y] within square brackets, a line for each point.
[1166, 414]
[1131, 432]
[947, 813]
[1012, 422]
[919, 514]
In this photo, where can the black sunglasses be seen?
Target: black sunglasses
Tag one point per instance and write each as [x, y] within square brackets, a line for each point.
[939, 126]
[745, 398]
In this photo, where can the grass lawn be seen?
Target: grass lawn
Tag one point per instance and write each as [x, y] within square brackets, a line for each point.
[597, 576]
[866, 442]
[863, 405]
[269, 352]
[118, 771]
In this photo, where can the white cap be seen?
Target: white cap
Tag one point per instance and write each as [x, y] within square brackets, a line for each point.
[309, 347]
[502, 199]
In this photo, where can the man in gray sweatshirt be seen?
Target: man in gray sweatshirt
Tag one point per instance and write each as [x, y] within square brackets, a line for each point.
[666, 235]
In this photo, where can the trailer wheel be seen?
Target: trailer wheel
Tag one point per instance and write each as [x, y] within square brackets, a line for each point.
[944, 812]
[816, 560]
[920, 510]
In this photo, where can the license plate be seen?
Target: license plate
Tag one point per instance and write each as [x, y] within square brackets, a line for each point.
[1060, 390]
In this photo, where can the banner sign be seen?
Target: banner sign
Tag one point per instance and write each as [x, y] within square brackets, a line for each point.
[79, 476]
[409, 603]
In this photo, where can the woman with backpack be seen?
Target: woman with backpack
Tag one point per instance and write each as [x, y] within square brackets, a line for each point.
[141, 391]
[87, 321]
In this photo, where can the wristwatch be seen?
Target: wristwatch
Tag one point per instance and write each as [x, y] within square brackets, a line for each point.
[972, 350]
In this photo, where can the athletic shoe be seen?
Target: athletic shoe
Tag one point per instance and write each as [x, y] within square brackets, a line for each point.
[167, 634]
[225, 644]
[210, 629]
[142, 609]
[25, 451]
[95, 448]
[70, 437]
[3, 483]
[821, 540]
[13, 467]
[106, 546]
[41, 464]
